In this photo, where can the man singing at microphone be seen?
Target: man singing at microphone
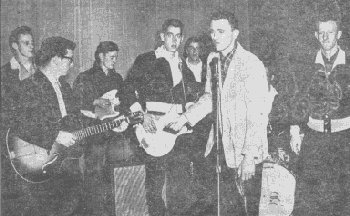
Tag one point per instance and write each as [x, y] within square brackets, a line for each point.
[243, 114]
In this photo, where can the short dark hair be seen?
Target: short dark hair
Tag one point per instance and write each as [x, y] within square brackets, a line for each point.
[193, 39]
[172, 22]
[51, 47]
[16, 33]
[105, 47]
[229, 16]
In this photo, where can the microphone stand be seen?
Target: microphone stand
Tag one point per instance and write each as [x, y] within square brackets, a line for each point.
[217, 110]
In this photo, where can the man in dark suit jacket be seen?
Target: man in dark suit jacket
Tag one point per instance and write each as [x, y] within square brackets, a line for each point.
[45, 100]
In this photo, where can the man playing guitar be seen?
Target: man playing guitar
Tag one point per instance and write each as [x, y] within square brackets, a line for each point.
[46, 99]
[156, 83]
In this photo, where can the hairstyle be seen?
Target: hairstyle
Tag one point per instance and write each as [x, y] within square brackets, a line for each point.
[172, 22]
[190, 40]
[105, 47]
[328, 15]
[230, 17]
[51, 47]
[16, 34]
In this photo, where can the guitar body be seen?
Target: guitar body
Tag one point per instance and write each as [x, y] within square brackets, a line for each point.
[36, 165]
[162, 141]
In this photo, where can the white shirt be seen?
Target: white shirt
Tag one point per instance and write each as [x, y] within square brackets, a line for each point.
[57, 87]
[174, 61]
[196, 69]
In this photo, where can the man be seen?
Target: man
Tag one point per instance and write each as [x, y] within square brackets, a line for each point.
[92, 87]
[156, 79]
[323, 174]
[19, 68]
[193, 50]
[45, 100]
[243, 113]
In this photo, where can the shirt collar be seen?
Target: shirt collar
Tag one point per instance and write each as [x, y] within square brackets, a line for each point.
[190, 64]
[15, 64]
[53, 80]
[23, 71]
[339, 60]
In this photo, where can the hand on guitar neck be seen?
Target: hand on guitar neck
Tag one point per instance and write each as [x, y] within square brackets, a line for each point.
[65, 138]
[106, 105]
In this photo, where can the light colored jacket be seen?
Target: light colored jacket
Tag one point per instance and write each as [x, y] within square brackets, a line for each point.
[245, 105]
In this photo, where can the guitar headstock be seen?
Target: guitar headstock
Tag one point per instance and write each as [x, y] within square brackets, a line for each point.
[135, 117]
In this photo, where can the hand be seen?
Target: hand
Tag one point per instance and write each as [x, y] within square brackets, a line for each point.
[101, 102]
[65, 138]
[178, 123]
[247, 168]
[295, 139]
[122, 127]
[295, 143]
[148, 123]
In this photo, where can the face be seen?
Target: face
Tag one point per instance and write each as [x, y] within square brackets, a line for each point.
[109, 59]
[25, 46]
[66, 62]
[328, 35]
[172, 38]
[222, 34]
[193, 51]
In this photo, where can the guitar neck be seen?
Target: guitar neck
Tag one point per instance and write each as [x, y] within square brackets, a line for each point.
[97, 129]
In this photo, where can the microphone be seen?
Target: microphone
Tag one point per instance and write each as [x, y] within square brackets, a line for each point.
[215, 60]
[213, 57]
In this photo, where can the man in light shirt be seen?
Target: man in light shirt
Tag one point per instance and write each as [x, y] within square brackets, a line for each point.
[243, 113]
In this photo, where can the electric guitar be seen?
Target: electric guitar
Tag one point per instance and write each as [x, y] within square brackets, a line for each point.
[163, 140]
[36, 165]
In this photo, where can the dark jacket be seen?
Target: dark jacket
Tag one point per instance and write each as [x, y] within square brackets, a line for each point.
[39, 113]
[10, 91]
[93, 83]
[150, 79]
[321, 94]
[203, 74]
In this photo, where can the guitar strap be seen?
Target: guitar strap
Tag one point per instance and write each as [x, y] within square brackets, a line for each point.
[183, 89]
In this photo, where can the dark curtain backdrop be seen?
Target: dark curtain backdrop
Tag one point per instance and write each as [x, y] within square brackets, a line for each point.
[132, 24]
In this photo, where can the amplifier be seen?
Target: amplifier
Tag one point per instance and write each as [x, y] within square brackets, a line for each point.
[130, 194]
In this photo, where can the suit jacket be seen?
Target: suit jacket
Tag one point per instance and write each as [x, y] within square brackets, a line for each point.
[39, 113]
[244, 108]
[93, 83]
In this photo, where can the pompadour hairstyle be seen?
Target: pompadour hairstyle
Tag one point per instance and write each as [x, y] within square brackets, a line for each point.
[105, 47]
[16, 33]
[51, 47]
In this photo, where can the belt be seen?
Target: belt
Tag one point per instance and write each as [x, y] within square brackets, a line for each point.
[332, 126]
